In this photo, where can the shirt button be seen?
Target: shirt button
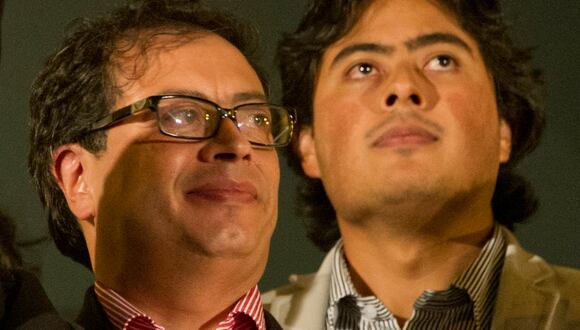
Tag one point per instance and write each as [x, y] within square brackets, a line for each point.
[369, 312]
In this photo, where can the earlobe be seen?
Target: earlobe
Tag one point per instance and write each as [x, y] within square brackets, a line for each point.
[70, 174]
[307, 152]
[505, 142]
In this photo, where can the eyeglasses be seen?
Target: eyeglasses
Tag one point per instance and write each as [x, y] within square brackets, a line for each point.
[193, 118]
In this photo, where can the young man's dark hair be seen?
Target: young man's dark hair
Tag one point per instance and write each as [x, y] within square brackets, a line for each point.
[75, 89]
[518, 92]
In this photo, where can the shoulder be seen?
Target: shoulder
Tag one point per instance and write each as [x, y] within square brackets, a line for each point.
[309, 285]
[534, 291]
[92, 316]
[26, 305]
[301, 304]
[524, 264]
[298, 284]
[533, 270]
[568, 280]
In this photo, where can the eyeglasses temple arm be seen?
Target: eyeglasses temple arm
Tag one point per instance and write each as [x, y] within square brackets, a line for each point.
[114, 117]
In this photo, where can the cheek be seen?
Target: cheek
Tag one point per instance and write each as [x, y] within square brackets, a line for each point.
[152, 168]
[474, 115]
[335, 122]
[473, 131]
[335, 107]
[268, 164]
[135, 182]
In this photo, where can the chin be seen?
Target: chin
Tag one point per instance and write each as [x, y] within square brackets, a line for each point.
[225, 243]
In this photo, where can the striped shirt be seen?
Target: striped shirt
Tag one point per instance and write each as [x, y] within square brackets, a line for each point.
[467, 304]
[247, 314]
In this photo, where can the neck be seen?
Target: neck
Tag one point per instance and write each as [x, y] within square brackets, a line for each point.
[399, 254]
[185, 293]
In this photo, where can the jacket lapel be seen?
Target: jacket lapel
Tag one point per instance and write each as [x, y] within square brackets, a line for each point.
[305, 307]
[528, 296]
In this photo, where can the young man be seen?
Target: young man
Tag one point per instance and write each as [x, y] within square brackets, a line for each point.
[419, 112]
[152, 147]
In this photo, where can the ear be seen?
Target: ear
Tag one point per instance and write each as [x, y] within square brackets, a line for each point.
[307, 151]
[69, 172]
[505, 141]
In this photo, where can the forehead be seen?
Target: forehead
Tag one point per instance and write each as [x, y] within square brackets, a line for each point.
[135, 51]
[395, 21]
[161, 61]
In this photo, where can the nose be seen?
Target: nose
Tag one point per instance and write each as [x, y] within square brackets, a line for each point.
[410, 89]
[228, 144]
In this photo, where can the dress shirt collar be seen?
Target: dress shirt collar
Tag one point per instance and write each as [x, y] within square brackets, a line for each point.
[247, 314]
[480, 280]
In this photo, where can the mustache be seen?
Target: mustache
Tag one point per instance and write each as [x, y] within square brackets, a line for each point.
[403, 116]
[229, 171]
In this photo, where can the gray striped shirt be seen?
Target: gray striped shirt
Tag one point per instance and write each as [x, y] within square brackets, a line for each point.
[467, 304]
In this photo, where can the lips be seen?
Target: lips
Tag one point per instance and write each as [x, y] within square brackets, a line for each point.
[405, 136]
[224, 190]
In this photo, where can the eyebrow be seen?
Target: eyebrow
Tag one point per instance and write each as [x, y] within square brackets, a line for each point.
[421, 41]
[249, 96]
[237, 98]
[363, 47]
[437, 38]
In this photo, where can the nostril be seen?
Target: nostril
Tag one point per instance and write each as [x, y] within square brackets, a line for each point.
[391, 100]
[226, 156]
[415, 99]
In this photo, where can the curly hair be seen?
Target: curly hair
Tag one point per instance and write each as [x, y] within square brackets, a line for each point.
[518, 93]
[76, 88]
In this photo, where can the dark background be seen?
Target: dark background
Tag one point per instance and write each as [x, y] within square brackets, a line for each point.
[32, 29]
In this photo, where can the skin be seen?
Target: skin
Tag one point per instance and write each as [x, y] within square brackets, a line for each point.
[192, 233]
[412, 180]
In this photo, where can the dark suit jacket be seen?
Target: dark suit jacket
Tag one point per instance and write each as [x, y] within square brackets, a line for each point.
[24, 304]
[93, 317]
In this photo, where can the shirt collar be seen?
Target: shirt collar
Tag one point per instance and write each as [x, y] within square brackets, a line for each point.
[480, 279]
[248, 312]
[340, 282]
[120, 312]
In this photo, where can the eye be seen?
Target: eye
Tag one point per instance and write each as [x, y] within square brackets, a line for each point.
[259, 119]
[182, 116]
[361, 70]
[442, 63]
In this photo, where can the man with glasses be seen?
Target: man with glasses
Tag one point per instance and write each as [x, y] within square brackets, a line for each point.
[152, 147]
[414, 116]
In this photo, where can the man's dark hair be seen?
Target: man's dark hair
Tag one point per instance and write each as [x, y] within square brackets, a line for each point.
[518, 93]
[77, 87]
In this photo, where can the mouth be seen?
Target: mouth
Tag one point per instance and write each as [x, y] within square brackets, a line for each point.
[405, 136]
[223, 191]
